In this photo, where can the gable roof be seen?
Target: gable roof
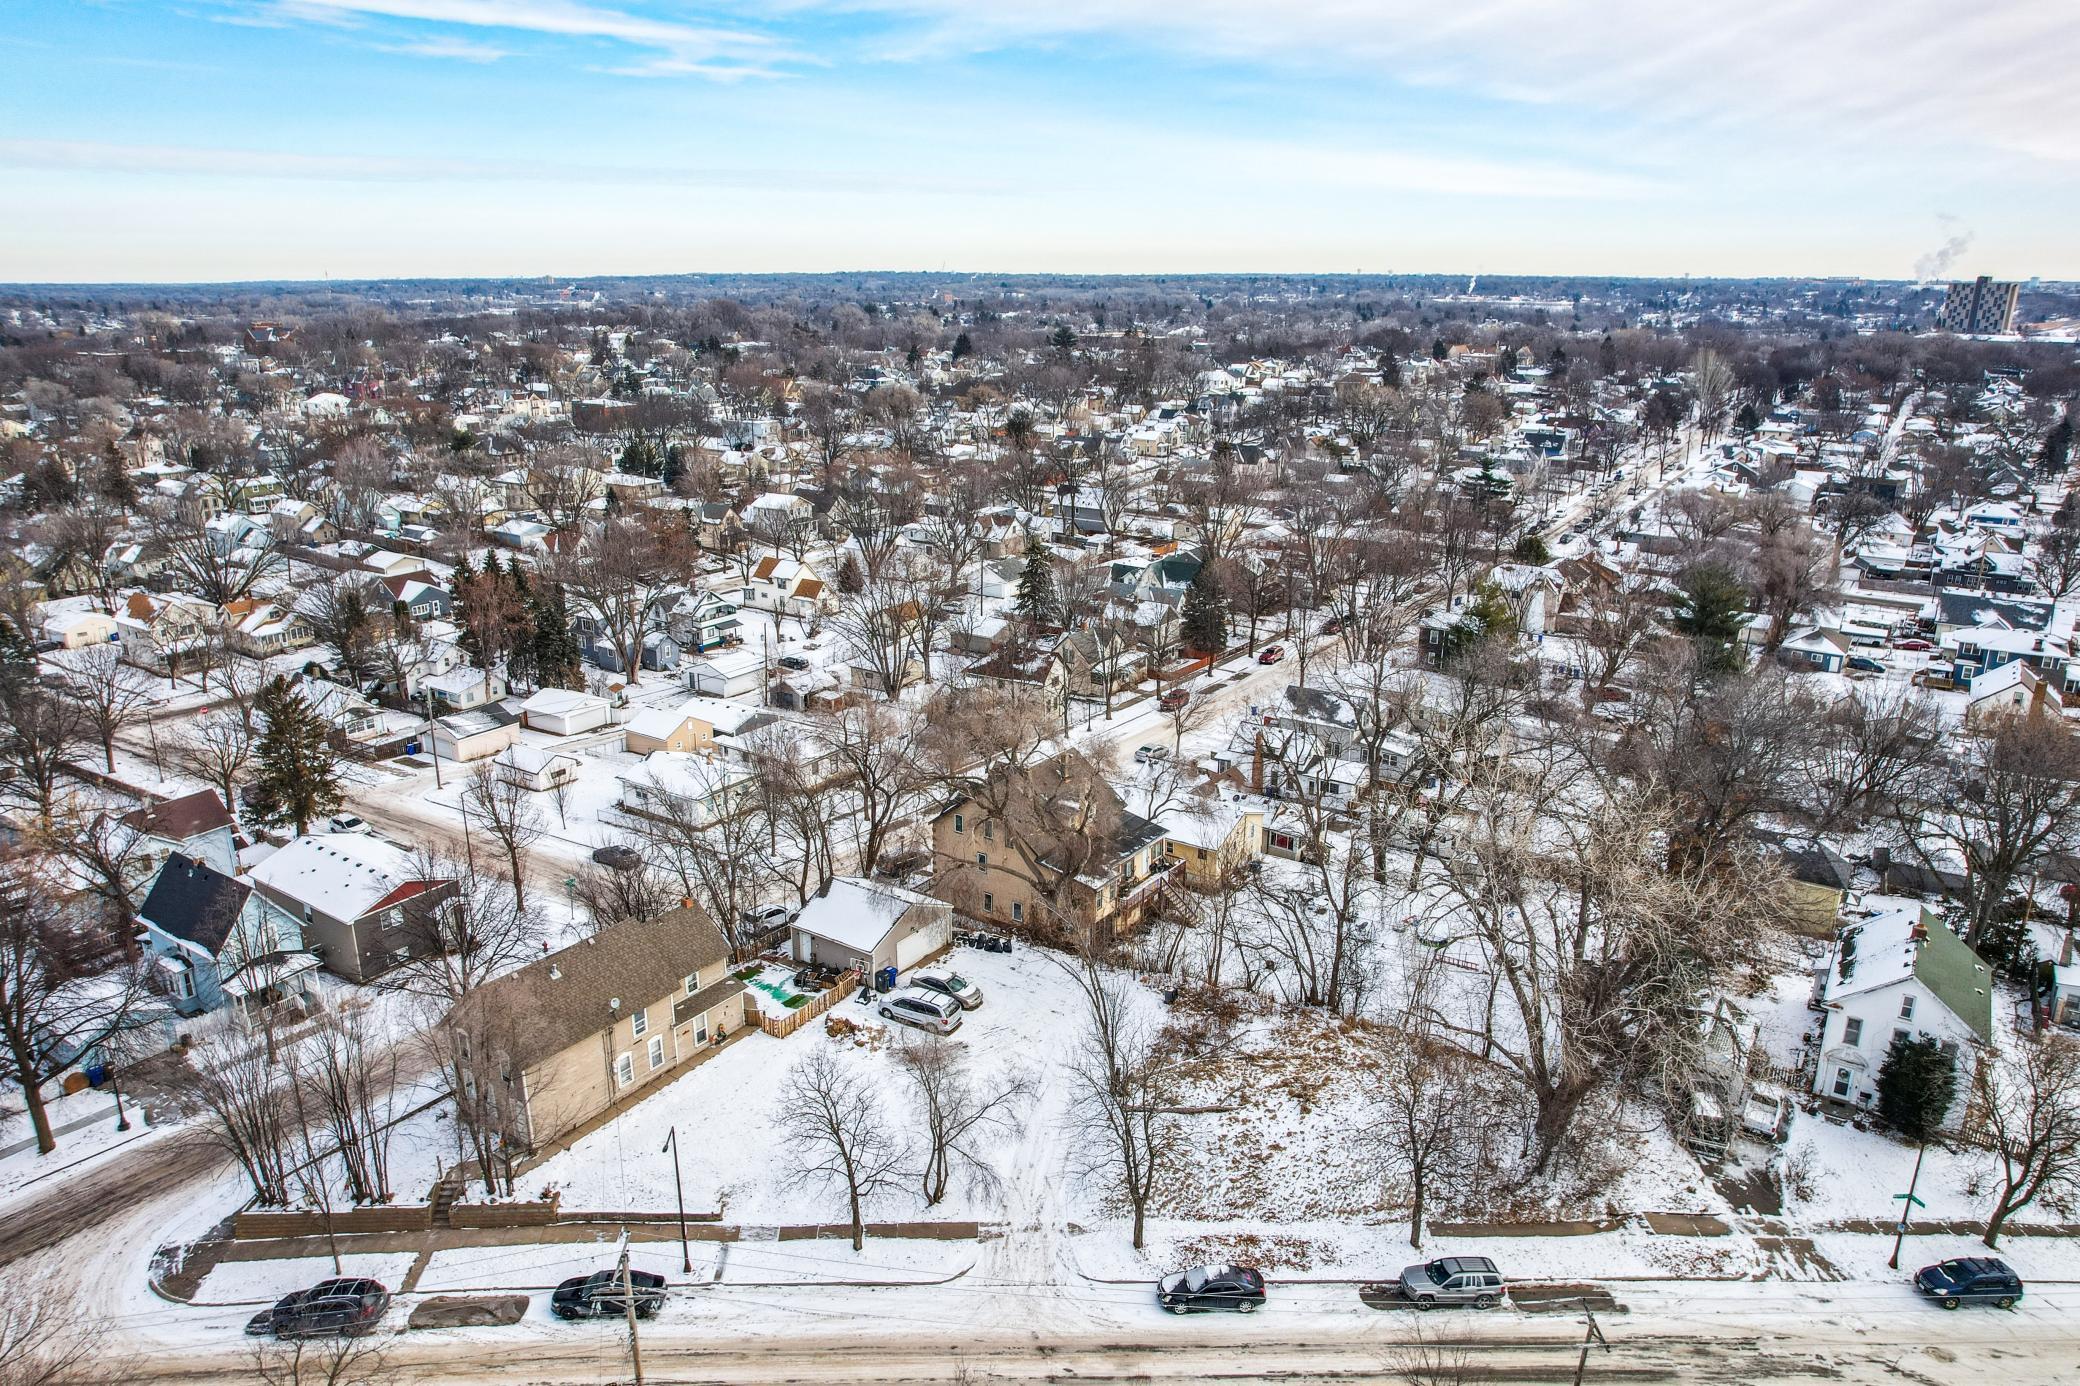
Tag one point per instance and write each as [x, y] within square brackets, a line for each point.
[858, 914]
[177, 820]
[567, 996]
[1886, 949]
[345, 874]
[193, 903]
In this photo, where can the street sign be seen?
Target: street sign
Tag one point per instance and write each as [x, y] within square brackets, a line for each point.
[1912, 1202]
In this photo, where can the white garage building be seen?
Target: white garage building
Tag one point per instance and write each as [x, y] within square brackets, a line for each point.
[871, 925]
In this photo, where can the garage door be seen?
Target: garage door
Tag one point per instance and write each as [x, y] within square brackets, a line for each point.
[922, 944]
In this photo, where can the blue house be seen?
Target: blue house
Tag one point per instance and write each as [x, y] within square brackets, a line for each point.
[213, 945]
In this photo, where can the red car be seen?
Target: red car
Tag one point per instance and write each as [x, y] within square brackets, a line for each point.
[1912, 645]
[1173, 699]
[1270, 654]
[1333, 626]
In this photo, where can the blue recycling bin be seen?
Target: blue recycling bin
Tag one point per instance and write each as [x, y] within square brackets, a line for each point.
[885, 979]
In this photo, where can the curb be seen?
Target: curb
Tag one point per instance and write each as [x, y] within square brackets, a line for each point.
[544, 1289]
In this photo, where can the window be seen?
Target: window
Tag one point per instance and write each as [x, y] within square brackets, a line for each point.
[1018, 912]
[693, 983]
[1841, 1082]
[184, 984]
[700, 1030]
[625, 1070]
[982, 859]
[989, 903]
[1906, 1008]
[1852, 1031]
[959, 823]
[989, 833]
[1901, 1036]
[639, 1024]
[657, 1051]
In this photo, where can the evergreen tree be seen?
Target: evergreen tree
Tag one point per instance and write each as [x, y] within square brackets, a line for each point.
[1747, 420]
[1062, 339]
[554, 648]
[17, 662]
[296, 777]
[2058, 446]
[1711, 606]
[1916, 1085]
[1205, 620]
[962, 346]
[1038, 601]
[463, 595]
[117, 487]
[851, 579]
[1438, 350]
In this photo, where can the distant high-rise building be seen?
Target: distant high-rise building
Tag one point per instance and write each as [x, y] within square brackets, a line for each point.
[1983, 305]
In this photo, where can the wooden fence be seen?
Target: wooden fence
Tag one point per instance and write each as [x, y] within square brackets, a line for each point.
[780, 1027]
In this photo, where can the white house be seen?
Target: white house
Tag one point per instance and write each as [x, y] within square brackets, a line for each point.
[565, 711]
[735, 673]
[536, 767]
[1898, 975]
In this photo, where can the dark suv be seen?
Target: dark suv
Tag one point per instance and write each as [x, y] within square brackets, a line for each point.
[1985, 1279]
[1240, 1288]
[590, 1296]
[328, 1307]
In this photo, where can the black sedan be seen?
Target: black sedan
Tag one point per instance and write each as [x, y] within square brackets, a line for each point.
[1970, 1279]
[602, 1293]
[1236, 1288]
[328, 1308]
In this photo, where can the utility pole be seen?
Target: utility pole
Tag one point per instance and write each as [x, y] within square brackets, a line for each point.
[1594, 1335]
[671, 1143]
[628, 1308]
[1907, 1209]
[432, 741]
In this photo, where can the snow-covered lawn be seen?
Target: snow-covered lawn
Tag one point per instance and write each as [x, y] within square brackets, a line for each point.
[23, 1170]
[263, 1282]
[545, 1266]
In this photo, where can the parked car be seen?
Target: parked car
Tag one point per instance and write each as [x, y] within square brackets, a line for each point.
[1978, 1279]
[1151, 754]
[346, 823]
[1271, 654]
[1332, 626]
[1173, 698]
[927, 1010]
[794, 662]
[602, 1293]
[1236, 1288]
[618, 857]
[1452, 1280]
[1864, 664]
[344, 1306]
[946, 982]
[760, 918]
[1917, 643]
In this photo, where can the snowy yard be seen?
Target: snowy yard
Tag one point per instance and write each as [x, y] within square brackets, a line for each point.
[263, 1282]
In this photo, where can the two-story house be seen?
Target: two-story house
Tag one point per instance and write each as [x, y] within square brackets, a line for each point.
[214, 946]
[1898, 975]
[548, 1047]
[1052, 848]
[359, 902]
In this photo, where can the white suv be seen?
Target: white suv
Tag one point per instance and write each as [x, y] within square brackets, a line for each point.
[927, 1010]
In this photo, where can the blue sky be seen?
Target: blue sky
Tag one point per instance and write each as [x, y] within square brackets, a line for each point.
[235, 139]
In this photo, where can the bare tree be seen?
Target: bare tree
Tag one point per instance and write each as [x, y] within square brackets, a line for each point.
[610, 894]
[245, 1109]
[350, 1071]
[723, 859]
[342, 1359]
[504, 808]
[876, 747]
[45, 1342]
[2027, 1104]
[953, 1113]
[216, 748]
[111, 695]
[827, 1109]
[620, 574]
[43, 729]
[206, 563]
[1868, 747]
[1123, 1091]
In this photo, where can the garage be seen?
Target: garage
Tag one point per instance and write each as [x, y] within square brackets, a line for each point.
[871, 925]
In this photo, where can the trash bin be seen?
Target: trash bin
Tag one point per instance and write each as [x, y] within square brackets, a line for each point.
[885, 979]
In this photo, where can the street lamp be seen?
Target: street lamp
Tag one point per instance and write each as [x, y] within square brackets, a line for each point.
[671, 1143]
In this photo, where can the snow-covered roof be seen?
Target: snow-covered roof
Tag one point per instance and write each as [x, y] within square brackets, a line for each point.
[560, 702]
[857, 914]
[347, 874]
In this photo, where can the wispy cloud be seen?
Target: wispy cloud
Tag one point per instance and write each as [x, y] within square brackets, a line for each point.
[656, 47]
[452, 49]
[1827, 74]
